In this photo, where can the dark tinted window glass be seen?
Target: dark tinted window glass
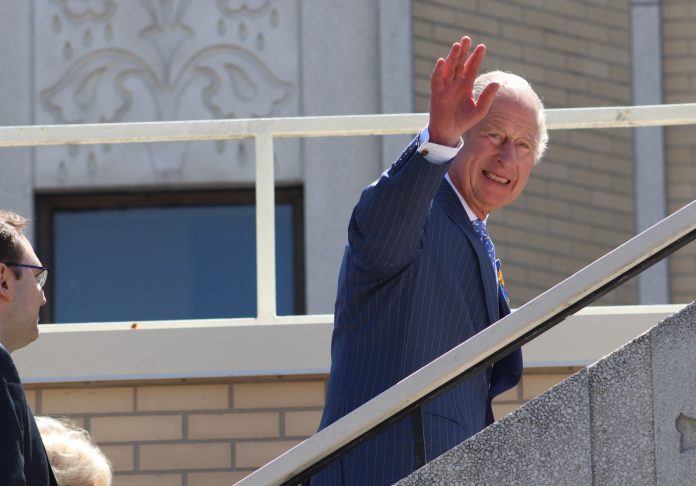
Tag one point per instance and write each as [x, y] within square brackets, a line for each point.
[146, 263]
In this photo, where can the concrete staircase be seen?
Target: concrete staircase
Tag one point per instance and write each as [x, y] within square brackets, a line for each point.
[628, 419]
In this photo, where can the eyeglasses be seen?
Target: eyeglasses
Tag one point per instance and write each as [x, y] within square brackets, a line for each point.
[40, 277]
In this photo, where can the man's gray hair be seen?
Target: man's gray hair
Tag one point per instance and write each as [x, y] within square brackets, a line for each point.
[73, 455]
[513, 84]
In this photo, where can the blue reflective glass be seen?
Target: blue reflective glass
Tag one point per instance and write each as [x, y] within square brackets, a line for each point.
[165, 263]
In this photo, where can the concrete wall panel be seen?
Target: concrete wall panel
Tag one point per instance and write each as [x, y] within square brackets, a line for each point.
[340, 76]
[16, 174]
[623, 439]
[545, 442]
[674, 382]
[163, 61]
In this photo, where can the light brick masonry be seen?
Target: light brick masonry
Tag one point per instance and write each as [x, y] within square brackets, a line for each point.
[679, 68]
[579, 203]
[189, 432]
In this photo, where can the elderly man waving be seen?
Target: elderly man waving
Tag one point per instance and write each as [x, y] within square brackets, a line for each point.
[419, 275]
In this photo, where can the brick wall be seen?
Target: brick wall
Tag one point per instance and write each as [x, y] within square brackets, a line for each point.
[188, 433]
[679, 69]
[579, 202]
[210, 432]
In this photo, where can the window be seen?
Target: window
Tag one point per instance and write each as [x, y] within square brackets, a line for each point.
[174, 255]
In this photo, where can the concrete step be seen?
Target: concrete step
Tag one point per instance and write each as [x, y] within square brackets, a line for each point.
[630, 418]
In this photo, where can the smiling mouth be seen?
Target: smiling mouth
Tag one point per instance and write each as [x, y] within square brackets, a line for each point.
[496, 178]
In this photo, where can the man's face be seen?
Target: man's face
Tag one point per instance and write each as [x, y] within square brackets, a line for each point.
[22, 300]
[499, 152]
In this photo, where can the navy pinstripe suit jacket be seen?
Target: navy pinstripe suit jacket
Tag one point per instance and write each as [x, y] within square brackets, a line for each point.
[415, 281]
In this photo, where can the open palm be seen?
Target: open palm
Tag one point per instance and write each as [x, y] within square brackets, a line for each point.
[453, 109]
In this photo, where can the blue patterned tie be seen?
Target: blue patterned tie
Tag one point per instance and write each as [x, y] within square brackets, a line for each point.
[482, 233]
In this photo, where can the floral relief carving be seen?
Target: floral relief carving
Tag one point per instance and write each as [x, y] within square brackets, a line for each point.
[94, 88]
[109, 83]
[86, 10]
[236, 7]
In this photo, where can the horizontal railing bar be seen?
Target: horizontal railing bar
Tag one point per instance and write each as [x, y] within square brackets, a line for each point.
[320, 126]
[621, 116]
[207, 130]
[515, 327]
[186, 323]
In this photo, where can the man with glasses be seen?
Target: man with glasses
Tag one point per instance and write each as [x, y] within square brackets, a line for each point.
[23, 459]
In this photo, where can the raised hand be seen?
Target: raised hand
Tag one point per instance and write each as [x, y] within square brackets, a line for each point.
[453, 109]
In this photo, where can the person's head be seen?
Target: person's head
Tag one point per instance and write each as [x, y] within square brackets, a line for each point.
[499, 152]
[75, 458]
[21, 284]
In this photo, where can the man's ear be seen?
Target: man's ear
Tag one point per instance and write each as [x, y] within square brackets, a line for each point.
[6, 282]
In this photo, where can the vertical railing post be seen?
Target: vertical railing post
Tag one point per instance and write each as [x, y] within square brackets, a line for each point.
[265, 228]
[419, 452]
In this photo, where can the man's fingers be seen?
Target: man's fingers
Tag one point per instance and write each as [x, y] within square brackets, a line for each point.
[485, 99]
[457, 58]
[474, 62]
[465, 42]
[436, 78]
[451, 61]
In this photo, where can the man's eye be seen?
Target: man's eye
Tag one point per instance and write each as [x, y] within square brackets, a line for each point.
[496, 137]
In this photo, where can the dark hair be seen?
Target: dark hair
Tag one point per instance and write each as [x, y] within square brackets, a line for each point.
[11, 226]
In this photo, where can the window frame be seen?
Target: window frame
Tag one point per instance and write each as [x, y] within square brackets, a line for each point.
[49, 203]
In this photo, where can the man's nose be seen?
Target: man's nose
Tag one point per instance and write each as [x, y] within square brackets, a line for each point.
[506, 155]
[43, 298]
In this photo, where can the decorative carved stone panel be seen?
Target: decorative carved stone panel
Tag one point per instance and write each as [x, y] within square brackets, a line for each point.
[159, 60]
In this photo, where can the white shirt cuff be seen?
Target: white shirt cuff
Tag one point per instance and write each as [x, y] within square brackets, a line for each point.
[436, 153]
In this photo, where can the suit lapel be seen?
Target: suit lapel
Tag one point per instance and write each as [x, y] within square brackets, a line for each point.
[454, 210]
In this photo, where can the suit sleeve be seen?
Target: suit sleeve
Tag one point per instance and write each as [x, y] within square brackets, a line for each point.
[388, 223]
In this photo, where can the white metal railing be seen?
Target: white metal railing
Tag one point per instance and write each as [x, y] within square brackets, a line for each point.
[266, 130]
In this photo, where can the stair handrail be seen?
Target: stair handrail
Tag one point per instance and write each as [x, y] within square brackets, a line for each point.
[499, 339]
